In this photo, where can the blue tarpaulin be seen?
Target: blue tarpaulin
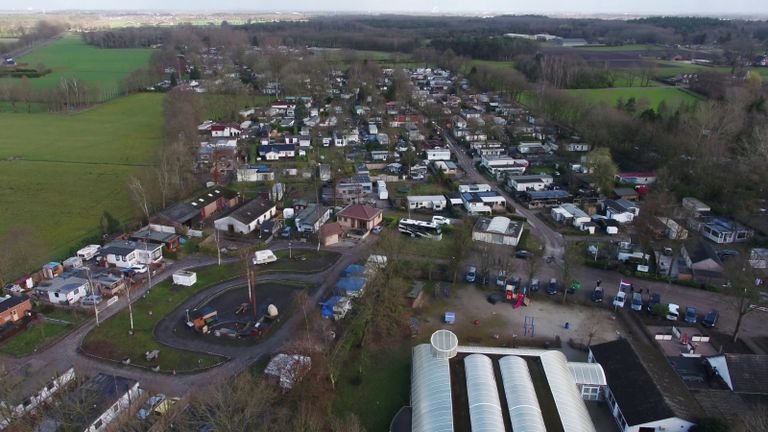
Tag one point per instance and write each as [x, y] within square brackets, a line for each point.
[327, 307]
[351, 286]
[353, 270]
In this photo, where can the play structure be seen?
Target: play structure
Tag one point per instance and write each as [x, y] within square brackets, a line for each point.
[515, 295]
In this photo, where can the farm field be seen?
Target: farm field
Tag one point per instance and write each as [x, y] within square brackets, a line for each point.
[61, 172]
[653, 95]
[621, 48]
[71, 57]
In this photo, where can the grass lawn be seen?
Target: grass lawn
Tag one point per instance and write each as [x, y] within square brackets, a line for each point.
[652, 95]
[71, 57]
[380, 391]
[111, 339]
[304, 261]
[60, 172]
[35, 337]
[621, 48]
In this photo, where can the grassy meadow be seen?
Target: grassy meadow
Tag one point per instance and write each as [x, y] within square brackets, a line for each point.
[652, 95]
[60, 172]
[71, 57]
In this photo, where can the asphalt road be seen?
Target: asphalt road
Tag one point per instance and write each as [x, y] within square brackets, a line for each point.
[553, 242]
[66, 352]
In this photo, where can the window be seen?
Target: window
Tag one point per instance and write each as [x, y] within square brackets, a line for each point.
[98, 424]
[590, 393]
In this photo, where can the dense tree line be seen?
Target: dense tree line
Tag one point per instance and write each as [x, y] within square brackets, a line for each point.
[485, 48]
[43, 30]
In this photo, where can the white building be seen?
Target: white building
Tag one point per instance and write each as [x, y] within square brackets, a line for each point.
[311, 218]
[381, 188]
[622, 211]
[247, 218]
[431, 202]
[115, 397]
[67, 289]
[529, 182]
[436, 154]
[126, 253]
[481, 200]
[499, 230]
[41, 392]
[255, 173]
[500, 165]
[530, 147]
[636, 402]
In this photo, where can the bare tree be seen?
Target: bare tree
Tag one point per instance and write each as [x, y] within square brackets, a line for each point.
[571, 257]
[140, 196]
[745, 285]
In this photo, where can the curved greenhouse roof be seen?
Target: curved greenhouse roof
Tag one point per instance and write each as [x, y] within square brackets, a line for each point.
[499, 224]
[524, 409]
[482, 394]
[430, 392]
[570, 406]
[588, 373]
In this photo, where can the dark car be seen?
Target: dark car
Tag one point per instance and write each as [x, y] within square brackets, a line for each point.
[655, 299]
[552, 287]
[711, 319]
[534, 285]
[597, 295]
[494, 298]
[690, 315]
[522, 254]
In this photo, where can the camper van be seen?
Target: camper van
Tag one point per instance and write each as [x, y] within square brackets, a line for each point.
[264, 257]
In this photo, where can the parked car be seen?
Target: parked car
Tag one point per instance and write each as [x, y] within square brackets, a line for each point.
[91, 299]
[552, 287]
[637, 301]
[597, 295]
[378, 229]
[471, 275]
[690, 315]
[139, 268]
[711, 319]
[286, 232]
[441, 220]
[620, 299]
[673, 312]
[522, 254]
[534, 285]
[494, 298]
[655, 299]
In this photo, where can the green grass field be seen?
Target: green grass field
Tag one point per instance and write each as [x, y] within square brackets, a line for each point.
[70, 57]
[111, 339]
[652, 95]
[43, 333]
[621, 48]
[60, 172]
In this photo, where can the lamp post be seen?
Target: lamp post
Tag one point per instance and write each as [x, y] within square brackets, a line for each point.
[290, 250]
[93, 297]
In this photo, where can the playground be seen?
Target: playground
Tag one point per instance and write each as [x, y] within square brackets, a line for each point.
[232, 317]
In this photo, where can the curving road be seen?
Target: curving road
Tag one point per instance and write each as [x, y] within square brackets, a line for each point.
[66, 353]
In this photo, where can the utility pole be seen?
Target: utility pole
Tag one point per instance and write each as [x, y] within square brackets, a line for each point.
[93, 297]
[218, 249]
[130, 308]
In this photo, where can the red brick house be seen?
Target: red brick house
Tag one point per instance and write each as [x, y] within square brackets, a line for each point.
[359, 217]
[13, 309]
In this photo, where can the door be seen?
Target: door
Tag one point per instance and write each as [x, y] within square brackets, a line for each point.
[14, 315]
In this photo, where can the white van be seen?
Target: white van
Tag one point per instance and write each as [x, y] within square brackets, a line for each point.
[674, 312]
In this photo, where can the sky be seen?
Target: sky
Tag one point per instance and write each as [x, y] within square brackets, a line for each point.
[654, 7]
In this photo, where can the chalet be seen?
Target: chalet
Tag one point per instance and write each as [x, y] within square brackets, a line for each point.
[577, 147]
[530, 148]
[324, 172]
[311, 218]
[339, 139]
[169, 240]
[66, 289]
[643, 395]
[529, 182]
[721, 230]
[702, 259]
[247, 218]
[273, 152]
[438, 154]
[113, 397]
[30, 388]
[255, 173]
[498, 166]
[636, 178]
[620, 210]
[498, 230]
[108, 284]
[401, 120]
[568, 213]
[625, 193]
[224, 130]
[448, 168]
[359, 217]
[491, 151]
[330, 234]
[483, 202]
[13, 308]
[430, 202]
[380, 155]
[127, 253]
[353, 188]
[546, 198]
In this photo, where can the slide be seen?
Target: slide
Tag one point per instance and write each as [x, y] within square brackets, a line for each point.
[520, 298]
